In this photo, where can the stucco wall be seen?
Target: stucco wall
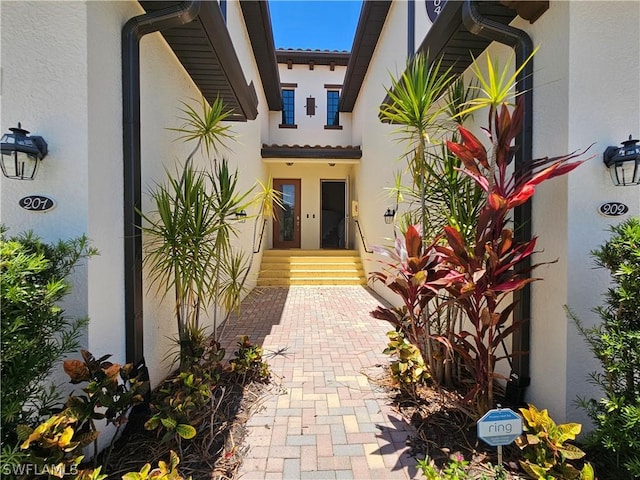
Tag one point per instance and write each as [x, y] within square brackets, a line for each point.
[310, 129]
[62, 80]
[574, 108]
[380, 147]
[311, 174]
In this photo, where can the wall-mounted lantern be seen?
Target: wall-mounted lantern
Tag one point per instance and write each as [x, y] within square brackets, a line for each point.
[624, 163]
[241, 216]
[21, 154]
[388, 216]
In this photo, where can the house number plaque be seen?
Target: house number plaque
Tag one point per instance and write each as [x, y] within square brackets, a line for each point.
[37, 203]
[613, 209]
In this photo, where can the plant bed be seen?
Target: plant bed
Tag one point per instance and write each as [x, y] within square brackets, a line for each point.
[215, 452]
[445, 431]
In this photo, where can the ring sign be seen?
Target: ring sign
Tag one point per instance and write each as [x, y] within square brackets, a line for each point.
[499, 426]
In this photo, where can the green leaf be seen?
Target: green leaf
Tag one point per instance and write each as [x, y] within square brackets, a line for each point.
[169, 423]
[185, 431]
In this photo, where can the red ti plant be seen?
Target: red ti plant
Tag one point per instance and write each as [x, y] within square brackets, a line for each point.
[488, 273]
[416, 273]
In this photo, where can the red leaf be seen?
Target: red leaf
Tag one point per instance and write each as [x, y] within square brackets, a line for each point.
[465, 156]
[475, 146]
[413, 241]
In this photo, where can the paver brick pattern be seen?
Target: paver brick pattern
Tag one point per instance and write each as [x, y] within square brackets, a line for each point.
[330, 421]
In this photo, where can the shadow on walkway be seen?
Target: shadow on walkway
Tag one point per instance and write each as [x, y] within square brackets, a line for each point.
[259, 312]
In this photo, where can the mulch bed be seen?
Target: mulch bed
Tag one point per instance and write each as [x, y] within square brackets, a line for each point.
[217, 450]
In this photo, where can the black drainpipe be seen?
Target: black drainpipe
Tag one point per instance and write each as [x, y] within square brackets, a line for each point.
[411, 28]
[132, 32]
[520, 41]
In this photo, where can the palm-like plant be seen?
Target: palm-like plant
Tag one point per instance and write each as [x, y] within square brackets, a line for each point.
[189, 235]
[416, 105]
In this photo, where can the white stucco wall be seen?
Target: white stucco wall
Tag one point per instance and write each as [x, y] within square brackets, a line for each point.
[310, 129]
[69, 91]
[380, 147]
[574, 108]
[311, 174]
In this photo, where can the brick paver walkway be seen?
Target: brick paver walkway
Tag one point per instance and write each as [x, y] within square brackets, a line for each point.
[330, 422]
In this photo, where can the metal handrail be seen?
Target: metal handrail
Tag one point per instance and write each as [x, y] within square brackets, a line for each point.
[264, 224]
[364, 243]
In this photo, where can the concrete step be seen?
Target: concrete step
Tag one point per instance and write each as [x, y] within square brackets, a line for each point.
[311, 267]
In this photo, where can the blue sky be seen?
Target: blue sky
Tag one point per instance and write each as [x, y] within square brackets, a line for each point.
[322, 25]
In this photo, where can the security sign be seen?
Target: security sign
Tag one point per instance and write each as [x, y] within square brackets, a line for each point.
[499, 426]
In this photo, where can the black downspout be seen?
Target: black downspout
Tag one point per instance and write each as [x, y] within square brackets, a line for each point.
[132, 32]
[411, 29]
[520, 41]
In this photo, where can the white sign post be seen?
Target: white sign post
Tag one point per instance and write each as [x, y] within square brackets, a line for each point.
[499, 427]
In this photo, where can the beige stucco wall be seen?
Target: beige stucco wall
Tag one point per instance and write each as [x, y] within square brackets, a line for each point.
[380, 148]
[62, 80]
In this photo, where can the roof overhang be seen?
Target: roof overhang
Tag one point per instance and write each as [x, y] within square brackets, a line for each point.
[312, 57]
[448, 39]
[311, 152]
[257, 19]
[205, 49]
[370, 24]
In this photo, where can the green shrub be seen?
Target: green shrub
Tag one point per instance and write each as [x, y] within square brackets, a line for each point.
[547, 453]
[408, 368]
[615, 342]
[247, 364]
[35, 332]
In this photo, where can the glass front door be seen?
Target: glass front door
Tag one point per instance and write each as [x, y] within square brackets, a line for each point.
[286, 221]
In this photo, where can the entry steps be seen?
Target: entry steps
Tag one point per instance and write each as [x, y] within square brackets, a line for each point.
[282, 268]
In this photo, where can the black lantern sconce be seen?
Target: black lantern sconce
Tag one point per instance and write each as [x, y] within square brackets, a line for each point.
[21, 154]
[388, 216]
[241, 216]
[624, 163]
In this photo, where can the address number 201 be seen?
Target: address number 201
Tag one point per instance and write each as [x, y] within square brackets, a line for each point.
[37, 203]
[613, 209]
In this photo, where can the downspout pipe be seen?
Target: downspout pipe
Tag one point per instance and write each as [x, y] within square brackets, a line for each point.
[520, 41]
[132, 32]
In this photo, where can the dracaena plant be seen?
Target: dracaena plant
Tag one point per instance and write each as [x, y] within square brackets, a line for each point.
[493, 265]
[416, 274]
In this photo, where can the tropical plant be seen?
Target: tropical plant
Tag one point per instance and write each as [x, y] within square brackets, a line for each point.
[188, 249]
[456, 468]
[547, 453]
[164, 471]
[177, 405]
[492, 262]
[415, 274]
[247, 364]
[408, 368]
[615, 342]
[110, 393]
[56, 443]
[36, 334]
[427, 101]
[416, 103]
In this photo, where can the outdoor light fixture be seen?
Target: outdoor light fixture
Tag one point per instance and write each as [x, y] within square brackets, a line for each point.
[388, 216]
[623, 163]
[21, 154]
[241, 216]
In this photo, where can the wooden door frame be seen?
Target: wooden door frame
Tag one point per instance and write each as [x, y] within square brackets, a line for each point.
[297, 237]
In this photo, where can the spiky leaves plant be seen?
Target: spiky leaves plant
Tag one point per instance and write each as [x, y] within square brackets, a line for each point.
[205, 127]
[416, 105]
[180, 247]
[188, 235]
[230, 266]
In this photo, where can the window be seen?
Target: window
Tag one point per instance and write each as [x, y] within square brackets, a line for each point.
[333, 118]
[288, 107]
